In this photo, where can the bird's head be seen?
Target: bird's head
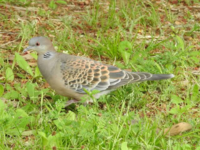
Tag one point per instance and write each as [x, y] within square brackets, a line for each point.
[40, 45]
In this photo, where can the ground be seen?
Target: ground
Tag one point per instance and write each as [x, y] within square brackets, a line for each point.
[155, 36]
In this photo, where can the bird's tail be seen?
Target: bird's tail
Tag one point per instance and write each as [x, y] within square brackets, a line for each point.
[160, 76]
[132, 77]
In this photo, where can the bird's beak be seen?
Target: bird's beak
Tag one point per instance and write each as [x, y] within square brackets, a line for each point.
[27, 49]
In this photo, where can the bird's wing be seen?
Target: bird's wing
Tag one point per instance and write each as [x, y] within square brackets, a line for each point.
[80, 73]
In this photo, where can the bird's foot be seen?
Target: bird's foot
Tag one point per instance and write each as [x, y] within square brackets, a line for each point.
[73, 101]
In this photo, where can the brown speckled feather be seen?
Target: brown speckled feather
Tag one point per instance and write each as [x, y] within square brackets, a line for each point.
[81, 73]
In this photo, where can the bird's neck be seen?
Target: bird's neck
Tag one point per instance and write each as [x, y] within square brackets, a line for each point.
[46, 62]
[48, 55]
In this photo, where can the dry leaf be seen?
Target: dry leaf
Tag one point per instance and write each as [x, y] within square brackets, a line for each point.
[177, 129]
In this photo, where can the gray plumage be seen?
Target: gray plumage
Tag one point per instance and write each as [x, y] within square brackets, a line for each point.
[69, 75]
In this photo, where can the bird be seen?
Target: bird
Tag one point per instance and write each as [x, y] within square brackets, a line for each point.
[74, 76]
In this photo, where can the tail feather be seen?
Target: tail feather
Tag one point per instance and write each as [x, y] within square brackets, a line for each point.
[160, 76]
[132, 77]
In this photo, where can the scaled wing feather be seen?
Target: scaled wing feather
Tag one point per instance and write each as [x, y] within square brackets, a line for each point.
[81, 73]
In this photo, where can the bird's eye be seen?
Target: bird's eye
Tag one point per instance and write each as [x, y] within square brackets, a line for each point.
[37, 44]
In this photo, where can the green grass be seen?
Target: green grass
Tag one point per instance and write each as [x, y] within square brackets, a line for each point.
[135, 35]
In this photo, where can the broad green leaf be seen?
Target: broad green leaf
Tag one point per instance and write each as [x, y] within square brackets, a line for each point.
[1, 90]
[12, 95]
[197, 148]
[71, 116]
[61, 2]
[158, 66]
[31, 89]
[195, 59]
[125, 46]
[8, 87]
[126, 57]
[119, 64]
[95, 92]
[21, 113]
[174, 110]
[34, 55]
[137, 56]
[124, 146]
[23, 64]
[42, 134]
[52, 4]
[9, 74]
[32, 92]
[176, 100]
[2, 106]
[18, 122]
[21, 75]
[44, 138]
[52, 140]
[180, 43]
[60, 124]
[194, 53]
[195, 92]
[37, 72]
[125, 49]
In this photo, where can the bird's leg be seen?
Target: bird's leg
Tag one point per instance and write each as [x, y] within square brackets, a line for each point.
[73, 101]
